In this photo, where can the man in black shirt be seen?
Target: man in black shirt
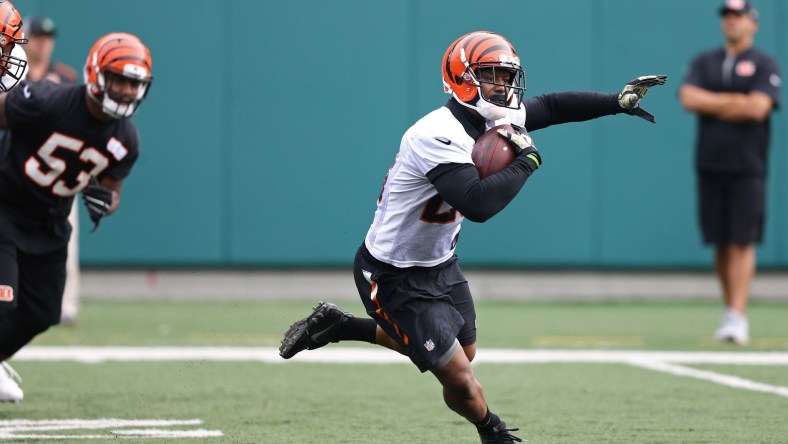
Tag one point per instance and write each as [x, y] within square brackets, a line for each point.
[733, 90]
[61, 140]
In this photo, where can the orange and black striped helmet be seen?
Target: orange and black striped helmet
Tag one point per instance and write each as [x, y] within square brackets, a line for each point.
[474, 52]
[13, 62]
[114, 56]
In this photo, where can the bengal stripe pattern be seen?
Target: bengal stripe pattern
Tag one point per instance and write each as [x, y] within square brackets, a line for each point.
[11, 24]
[121, 53]
[468, 51]
[385, 316]
[120, 48]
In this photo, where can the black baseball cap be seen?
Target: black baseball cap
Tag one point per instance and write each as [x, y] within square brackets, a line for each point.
[39, 26]
[739, 7]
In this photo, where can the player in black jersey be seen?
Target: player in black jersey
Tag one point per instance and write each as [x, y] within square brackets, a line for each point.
[61, 140]
[13, 64]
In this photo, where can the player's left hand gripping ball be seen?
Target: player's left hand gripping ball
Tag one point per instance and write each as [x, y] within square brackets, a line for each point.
[629, 98]
[98, 201]
[523, 144]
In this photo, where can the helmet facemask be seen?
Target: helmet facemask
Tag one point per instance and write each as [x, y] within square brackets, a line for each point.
[13, 67]
[121, 94]
[507, 75]
[13, 60]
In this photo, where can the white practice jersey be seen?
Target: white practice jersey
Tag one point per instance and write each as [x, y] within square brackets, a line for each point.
[413, 226]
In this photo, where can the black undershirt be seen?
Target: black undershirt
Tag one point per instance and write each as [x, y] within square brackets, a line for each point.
[480, 199]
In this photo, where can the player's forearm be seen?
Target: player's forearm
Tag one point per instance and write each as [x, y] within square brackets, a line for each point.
[479, 200]
[573, 106]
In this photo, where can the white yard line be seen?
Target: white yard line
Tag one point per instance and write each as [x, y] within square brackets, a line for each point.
[663, 361]
[717, 378]
[12, 429]
[370, 355]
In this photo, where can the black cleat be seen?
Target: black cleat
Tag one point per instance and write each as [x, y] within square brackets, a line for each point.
[314, 331]
[499, 435]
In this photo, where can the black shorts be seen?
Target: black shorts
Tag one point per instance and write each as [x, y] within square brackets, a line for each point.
[29, 277]
[428, 310]
[732, 208]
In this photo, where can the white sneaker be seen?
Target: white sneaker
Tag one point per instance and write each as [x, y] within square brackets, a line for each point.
[9, 384]
[733, 328]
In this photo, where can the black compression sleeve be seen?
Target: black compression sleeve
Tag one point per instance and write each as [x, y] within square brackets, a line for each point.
[478, 200]
[576, 106]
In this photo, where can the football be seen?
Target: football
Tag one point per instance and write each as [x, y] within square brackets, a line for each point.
[492, 152]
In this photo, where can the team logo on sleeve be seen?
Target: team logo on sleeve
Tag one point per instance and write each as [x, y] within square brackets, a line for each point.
[117, 149]
[745, 68]
[6, 293]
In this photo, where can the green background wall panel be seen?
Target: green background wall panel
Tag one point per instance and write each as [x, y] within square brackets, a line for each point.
[270, 126]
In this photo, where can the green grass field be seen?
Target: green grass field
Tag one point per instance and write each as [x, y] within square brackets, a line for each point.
[302, 402]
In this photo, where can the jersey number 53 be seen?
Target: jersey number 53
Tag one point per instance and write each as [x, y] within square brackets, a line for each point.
[55, 166]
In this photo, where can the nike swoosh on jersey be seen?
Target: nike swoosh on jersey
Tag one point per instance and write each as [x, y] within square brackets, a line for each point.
[26, 92]
[443, 140]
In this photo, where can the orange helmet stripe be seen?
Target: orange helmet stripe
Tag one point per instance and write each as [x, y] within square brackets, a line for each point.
[120, 49]
[474, 50]
[12, 23]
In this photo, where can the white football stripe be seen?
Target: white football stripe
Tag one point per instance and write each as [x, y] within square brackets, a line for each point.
[22, 428]
[365, 355]
[663, 361]
[717, 378]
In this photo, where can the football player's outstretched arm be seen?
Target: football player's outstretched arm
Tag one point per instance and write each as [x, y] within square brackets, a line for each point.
[564, 107]
[578, 106]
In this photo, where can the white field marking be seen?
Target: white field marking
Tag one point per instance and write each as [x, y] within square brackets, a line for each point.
[22, 428]
[717, 378]
[664, 361]
[363, 355]
[625, 356]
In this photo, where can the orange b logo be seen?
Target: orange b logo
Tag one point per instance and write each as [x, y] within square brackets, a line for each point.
[6, 293]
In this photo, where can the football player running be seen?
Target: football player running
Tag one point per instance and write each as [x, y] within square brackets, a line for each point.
[406, 269]
[61, 140]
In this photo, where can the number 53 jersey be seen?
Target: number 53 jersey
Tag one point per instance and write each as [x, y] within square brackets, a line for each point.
[53, 146]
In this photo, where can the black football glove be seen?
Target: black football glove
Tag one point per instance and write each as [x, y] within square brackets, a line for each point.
[522, 144]
[98, 201]
[629, 98]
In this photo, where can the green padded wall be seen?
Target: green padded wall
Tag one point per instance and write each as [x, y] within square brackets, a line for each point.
[270, 127]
